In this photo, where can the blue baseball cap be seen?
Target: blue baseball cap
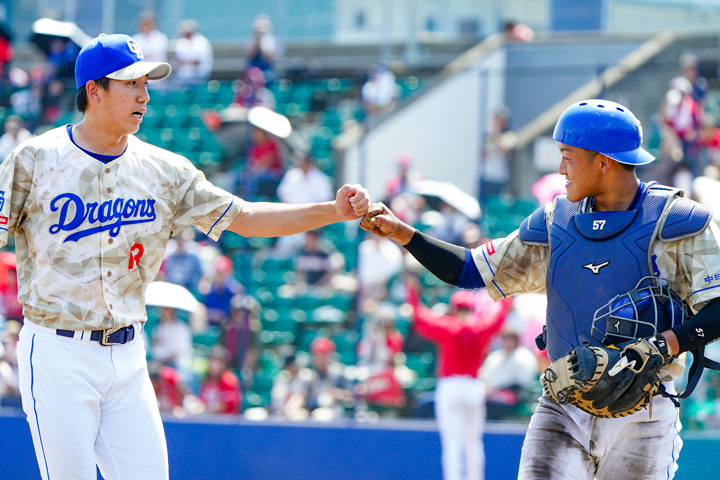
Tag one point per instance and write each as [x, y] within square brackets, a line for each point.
[118, 57]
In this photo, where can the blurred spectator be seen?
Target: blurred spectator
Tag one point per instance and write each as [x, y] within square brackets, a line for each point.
[27, 102]
[7, 52]
[518, 32]
[472, 236]
[682, 117]
[511, 376]
[183, 265]
[264, 167]
[302, 183]
[290, 390]
[380, 341]
[495, 160]
[219, 292]
[317, 262]
[691, 71]
[172, 342]
[710, 140]
[252, 91]
[463, 338]
[153, 43]
[328, 390]
[220, 391]
[12, 309]
[9, 386]
[240, 333]
[192, 55]
[377, 355]
[450, 225]
[61, 61]
[379, 261]
[404, 178]
[379, 93]
[54, 101]
[15, 134]
[170, 389]
[262, 49]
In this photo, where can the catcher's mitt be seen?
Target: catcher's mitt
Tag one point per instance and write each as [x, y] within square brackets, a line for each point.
[608, 382]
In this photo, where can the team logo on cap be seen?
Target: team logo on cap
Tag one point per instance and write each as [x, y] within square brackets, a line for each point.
[135, 48]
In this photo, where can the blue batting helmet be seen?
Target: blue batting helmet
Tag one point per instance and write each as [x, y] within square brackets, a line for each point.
[604, 127]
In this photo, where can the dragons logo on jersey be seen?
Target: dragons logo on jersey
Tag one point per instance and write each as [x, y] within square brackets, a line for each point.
[111, 215]
[2, 199]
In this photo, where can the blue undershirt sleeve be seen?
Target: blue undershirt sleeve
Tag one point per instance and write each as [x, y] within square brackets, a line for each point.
[470, 276]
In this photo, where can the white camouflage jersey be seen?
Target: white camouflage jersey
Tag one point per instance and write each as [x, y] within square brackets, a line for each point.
[90, 236]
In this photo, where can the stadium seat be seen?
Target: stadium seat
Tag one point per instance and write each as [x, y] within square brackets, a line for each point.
[208, 338]
[420, 363]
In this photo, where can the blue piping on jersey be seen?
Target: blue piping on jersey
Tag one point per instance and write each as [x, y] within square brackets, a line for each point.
[32, 392]
[221, 216]
[3, 228]
[492, 272]
[703, 289]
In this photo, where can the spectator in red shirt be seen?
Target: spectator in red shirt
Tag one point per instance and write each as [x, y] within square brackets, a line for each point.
[220, 392]
[264, 165]
[463, 337]
[169, 387]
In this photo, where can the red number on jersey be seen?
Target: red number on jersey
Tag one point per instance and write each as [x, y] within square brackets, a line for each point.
[136, 251]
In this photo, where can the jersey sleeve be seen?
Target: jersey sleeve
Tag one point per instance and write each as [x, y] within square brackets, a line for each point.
[692, 266]
[209, 208]
[15, 183]
[509, 266]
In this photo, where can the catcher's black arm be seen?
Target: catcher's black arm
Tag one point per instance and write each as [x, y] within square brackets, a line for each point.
[452, 264]
[701, 329]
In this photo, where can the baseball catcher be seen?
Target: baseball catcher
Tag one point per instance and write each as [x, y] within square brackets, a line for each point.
[622, 374]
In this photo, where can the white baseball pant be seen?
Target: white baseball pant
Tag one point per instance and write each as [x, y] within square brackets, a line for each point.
[89, 404]
[460, 414]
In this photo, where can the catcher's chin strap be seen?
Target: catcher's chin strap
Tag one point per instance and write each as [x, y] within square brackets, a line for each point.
[699, 363]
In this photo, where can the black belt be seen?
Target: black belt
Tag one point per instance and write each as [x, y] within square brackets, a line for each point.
[105, 337]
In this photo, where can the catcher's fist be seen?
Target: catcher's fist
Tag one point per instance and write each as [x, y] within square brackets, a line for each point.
[381, 221]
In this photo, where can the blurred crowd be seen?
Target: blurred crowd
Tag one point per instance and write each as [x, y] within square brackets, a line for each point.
[383, 352]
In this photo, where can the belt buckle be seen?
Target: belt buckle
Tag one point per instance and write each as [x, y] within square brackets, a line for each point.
[105, 338]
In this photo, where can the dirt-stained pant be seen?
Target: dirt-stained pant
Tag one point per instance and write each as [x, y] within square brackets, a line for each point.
[565, 443]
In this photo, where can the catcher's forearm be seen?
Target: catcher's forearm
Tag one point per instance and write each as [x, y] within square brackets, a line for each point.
[700, 330]
[442, 259]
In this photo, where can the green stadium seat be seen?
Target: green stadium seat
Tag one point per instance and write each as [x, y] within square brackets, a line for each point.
[346, 340]
[420, 363]
[269, 361]
[208, 338]
[327, 314]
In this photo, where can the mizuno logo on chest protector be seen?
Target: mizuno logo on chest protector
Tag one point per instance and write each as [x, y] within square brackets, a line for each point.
[111, 215]
[596, 268]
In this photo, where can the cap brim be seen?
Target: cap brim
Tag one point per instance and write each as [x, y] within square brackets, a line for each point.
[154, 71]
[639, 156]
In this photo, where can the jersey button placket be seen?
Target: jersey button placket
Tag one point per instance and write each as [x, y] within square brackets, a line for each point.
[107, 194]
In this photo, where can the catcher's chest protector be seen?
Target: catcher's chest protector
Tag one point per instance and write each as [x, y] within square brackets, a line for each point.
[594, 257]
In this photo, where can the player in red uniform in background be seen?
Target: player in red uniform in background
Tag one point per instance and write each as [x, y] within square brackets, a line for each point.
[463, 337]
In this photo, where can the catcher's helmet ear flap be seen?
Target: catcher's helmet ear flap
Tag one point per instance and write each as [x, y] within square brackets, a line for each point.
[605, 127]
[649, 308]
